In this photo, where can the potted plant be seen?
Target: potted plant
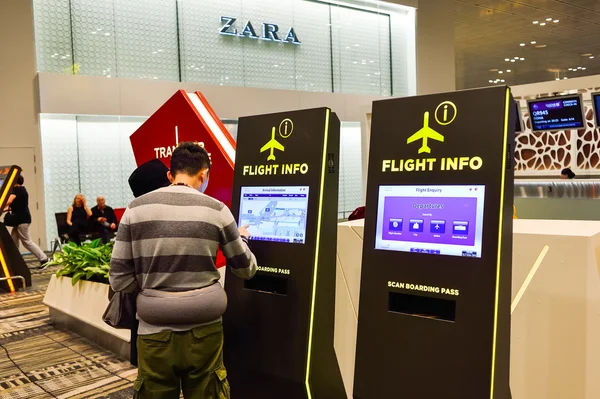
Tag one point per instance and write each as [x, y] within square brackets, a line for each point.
[90, 262]
[77, 294]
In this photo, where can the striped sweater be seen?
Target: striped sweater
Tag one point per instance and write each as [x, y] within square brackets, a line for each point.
[168, 241]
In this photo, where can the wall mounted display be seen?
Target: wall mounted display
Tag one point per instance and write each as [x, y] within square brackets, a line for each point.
[558, 113]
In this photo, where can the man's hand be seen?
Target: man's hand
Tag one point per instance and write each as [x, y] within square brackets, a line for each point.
[113, 226]
[244, 231]
[101, 220]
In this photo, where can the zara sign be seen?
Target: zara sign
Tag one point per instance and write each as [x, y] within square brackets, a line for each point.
[270, 32]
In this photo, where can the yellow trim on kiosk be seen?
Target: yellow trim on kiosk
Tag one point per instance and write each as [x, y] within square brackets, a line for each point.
[9, 184]
[314, 287]
[498, 261]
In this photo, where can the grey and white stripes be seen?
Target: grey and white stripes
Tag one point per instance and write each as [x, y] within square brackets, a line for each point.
[168, 241]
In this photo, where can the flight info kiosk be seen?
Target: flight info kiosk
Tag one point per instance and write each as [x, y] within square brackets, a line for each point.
[434, 312]
[279, 325]
[14, 272]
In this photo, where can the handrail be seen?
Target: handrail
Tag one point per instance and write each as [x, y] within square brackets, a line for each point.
[14, 277]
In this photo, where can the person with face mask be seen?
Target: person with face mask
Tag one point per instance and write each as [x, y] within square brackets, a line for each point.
[166, 248]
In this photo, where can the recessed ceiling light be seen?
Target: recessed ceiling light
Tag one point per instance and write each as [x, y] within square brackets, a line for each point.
[565, 78]
[533, 42]
[512, 60]
[556, 21]
[591, 57]
[557, 78]
[540, 46]
[543, 24]
[583, 69]
[494, 70]
[502, 81]
[508, 70]
[536, 22]
[586, 54]
[570, 69]
[579, 68]
[522, 59]
[548, 19]
[522, 44]
[516, 58]
[507, 59]
[491, 81]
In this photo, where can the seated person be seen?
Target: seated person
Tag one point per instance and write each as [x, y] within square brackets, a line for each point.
[77, 216]
[104, 218]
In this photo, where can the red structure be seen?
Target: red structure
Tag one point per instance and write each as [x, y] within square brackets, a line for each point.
[189, 117]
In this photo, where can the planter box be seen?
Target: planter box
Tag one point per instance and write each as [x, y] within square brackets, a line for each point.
[80, 308]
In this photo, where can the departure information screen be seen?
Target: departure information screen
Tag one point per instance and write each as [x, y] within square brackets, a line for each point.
[439, 220]
[557, 113]
[596, 103]
[276, 214]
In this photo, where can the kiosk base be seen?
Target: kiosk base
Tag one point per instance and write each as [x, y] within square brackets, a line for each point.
[12, 263]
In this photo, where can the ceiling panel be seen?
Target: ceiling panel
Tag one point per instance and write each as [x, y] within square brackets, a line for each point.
[489, 31]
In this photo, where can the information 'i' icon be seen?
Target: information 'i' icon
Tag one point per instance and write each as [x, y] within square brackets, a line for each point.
[448, 112]
[286, 127]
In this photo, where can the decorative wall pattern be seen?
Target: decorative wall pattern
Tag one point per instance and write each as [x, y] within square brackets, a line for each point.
[547, 153]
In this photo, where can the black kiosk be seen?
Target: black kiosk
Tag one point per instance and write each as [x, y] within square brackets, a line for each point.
[12, 265]
[435, 291]
[279, 326]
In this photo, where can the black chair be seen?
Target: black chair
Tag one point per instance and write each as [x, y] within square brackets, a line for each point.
[63, 232]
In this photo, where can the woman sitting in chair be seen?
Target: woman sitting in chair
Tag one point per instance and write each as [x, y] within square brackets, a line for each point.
[77, 218]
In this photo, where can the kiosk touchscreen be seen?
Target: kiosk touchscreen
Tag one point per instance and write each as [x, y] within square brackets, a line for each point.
[434, 308]
[279, 326]
[11, 261]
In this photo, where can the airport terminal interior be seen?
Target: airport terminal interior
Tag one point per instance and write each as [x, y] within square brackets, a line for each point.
[405, 199]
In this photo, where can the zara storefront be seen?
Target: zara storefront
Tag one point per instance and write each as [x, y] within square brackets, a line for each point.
[106, 65]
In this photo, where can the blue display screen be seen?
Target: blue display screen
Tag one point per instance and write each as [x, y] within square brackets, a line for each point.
[557, 113]
[596, 102]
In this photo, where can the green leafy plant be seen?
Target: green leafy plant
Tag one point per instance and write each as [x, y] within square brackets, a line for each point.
[90, 261]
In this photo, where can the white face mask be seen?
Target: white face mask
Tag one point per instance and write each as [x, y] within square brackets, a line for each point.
[204, 185]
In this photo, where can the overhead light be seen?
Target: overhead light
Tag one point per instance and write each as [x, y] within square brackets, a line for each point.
[591, 57]
[536, 22]
[548, 19]
[512, 60]
[570, 69]
[507, 59]
[586, 54]
[508, 70]
[543, 24]
[583, 69]
[500, 71]
[557, 78]
[522, 59]
[556, 21]
[494, 70]
[565, 78]
[522, 44]
[540, 46]
[516, 58]
[502, 81]
[533, 42]
[579, 68]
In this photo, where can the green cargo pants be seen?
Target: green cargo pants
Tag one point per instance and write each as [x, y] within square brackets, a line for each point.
[190, 361]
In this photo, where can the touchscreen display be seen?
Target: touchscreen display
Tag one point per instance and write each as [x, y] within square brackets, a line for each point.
[439, 220]
[276, 214]
[556, 113]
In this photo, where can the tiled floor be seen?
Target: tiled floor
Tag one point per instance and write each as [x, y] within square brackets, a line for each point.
[38, 361]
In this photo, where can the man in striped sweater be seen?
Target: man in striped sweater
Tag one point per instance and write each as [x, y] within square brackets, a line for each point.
[166, 247]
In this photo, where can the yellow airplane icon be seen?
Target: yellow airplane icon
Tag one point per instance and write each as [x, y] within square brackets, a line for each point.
[272, 145]
[424, 134]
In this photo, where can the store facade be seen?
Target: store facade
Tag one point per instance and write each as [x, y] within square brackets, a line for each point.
[247, 52]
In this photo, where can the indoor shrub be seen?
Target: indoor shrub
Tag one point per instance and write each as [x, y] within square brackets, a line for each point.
[90, 261]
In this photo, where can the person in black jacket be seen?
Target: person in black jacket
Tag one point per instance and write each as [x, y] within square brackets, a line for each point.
[18, 204]
[105, 219]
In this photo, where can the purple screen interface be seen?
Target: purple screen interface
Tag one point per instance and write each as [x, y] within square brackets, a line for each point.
[444, 220]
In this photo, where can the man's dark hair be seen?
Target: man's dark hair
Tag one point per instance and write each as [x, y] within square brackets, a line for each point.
[20, 180]
[189, 158]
